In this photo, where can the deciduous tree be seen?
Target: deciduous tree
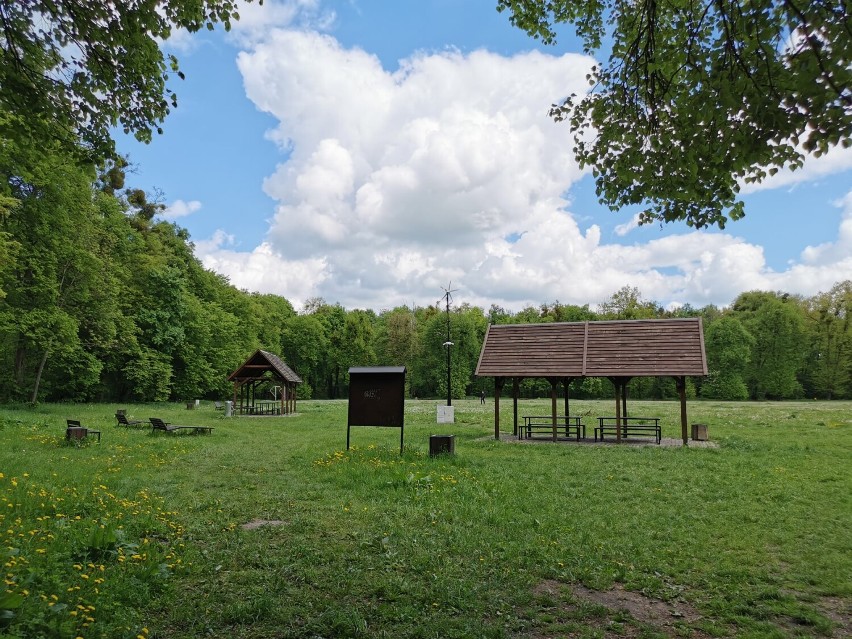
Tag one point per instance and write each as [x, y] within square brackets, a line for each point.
[697, 97]
[776, 323]
[830, 328]
[74, 69]
[728, 346]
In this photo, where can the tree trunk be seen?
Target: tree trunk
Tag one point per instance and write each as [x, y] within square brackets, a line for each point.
[38, 375]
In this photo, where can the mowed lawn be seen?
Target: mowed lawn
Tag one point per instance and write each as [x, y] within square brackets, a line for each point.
[268, 527]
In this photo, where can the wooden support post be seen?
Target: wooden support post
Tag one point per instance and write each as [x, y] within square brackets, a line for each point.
[617, 383]
[516, 390]
[554, 382]
[498, 387]
[624, 383]
[618, 412]
[680, 382]
[566, 381]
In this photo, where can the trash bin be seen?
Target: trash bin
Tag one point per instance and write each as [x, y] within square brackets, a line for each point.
[699, 432]
[442, 445]
[229, 407]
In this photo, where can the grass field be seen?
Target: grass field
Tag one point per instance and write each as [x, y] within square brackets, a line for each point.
[270, 528]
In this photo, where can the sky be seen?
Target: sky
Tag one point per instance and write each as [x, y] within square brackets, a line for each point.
[375, 153]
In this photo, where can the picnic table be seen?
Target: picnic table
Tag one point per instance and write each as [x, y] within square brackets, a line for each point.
[571, 426]
[637, 426]
[266, 407]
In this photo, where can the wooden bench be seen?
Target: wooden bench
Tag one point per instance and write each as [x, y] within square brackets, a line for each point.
[570, 426]
[218, 405]
[74, 430]
[158, 424]
[637, 426]
[123, 421]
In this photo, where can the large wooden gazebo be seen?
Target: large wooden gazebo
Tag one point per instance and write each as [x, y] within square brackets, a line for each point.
[617, 350]
[264, 370]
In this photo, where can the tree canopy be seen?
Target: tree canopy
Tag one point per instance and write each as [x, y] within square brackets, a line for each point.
[73, 69]
[700, 96]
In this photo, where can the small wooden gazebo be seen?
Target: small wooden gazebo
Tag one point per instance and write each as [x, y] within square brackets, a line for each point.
[264, 369]
[618, 350]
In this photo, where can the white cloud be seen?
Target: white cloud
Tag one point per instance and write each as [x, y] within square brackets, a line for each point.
[257, 20]
[832, 253]
[263, 269]
[836, 160]
[623, 229]
[179, 208]
[181, 41]
[449, 169]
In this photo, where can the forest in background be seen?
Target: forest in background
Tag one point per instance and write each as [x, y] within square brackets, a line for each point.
[102, 301]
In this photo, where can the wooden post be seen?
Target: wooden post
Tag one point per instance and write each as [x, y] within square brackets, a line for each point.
[565, 383]
[498, 386]
[624, 383]
[554, 382]
[680, 382]
[516, 390]
[617, 383]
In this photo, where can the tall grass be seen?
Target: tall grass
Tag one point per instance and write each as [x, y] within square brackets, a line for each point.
[143, 535]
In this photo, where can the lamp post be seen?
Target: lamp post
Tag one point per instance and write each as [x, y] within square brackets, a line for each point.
[448, 296]
[447, 345]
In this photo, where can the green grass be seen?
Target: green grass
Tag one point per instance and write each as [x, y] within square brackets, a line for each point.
[142, 535]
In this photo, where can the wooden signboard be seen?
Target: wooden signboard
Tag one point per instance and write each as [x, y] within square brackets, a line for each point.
[377, 398]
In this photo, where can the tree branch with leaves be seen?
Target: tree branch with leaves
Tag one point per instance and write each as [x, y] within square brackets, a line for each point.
[74, 69]
[699, 97]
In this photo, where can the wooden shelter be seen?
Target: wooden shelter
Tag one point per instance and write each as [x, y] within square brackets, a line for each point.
[261, 371]
[618, 350]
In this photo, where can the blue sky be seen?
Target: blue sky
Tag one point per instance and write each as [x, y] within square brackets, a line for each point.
[370, 152]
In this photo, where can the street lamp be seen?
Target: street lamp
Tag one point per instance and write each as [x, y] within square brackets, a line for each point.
[447, 345]
[448, 296]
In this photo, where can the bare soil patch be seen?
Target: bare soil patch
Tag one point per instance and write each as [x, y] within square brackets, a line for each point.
[839, 610]
[672, 619]
[650, 611]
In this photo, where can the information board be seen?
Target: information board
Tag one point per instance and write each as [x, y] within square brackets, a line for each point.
[377, 398]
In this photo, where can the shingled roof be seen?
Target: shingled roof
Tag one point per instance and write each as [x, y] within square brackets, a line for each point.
[261, 362]
[620, 348]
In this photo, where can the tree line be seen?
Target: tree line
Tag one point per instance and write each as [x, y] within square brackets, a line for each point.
[100, 300]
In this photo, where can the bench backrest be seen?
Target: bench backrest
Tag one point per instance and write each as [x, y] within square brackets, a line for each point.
[122, 418]
[157, 423]
[73, 423]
